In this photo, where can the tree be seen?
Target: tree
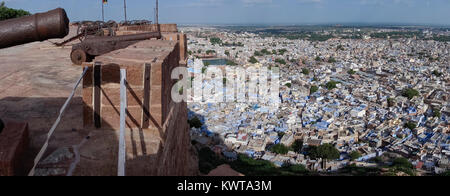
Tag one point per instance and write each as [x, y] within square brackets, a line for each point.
[436, 113]
[410, 93]
[391, 102]
[257, 53]
[305, 71]
[282, 51]
[288, 85]
[313, 89]
[437, 73]
[331, 60]
[297, 146]
[402, 163]
[227, 53]
[331, 85]
[215, 40]
[232, 63]
[318, 58]
[410, 125]
[325, 151]
[208, 160]
[195, 122]
[9, 13]
[253, 60]
[279, 149]
[210, 51]
[281, 61]
[354, 155]
[351, 72]
[265, 52]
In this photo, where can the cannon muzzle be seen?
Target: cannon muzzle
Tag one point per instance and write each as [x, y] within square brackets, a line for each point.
[37, 27]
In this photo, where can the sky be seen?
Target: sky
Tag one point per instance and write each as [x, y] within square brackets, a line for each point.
[434, 12]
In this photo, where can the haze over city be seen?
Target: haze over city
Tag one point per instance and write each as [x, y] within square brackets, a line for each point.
[433, 12]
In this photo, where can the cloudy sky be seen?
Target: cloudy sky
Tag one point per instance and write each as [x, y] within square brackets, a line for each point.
[254, 11]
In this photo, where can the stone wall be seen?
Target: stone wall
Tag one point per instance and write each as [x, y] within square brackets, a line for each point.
[13, 144]
[163, 122]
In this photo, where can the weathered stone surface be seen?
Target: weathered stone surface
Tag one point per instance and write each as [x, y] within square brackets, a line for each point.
[13, 144]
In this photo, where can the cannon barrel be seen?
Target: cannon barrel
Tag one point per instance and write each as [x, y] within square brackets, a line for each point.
[99, 45]
[37, 27]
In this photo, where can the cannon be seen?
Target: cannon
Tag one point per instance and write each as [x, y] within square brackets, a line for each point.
[37, 27]
[91, 47]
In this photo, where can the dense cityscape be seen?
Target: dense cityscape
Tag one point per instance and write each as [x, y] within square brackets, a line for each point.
[354, 100]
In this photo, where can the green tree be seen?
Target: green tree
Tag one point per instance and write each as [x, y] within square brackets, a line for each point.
[355, 155]
[279, 149]
[195, 122]
[257, 53]
[351, 72]
[282, 51]
[210, 52]
[331, 85]
[437, 73]
[265, 52]
[227, 53]
[318, 58]
[391, 102]
[447, 173]
[253, 60]
[280, 61]
[410, 93]
[208, 160]
[437, 113]
[232, 63]
[305, 71]
[297, 146]
[215, 40]
[325, 151]
[402, 163]
[410, 125]
[313, 89]
[331, 60]
[288, 85]
[9, 13]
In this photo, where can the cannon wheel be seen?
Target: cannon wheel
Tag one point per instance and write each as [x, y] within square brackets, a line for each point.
[78, 56]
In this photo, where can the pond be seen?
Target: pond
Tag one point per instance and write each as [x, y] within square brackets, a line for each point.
[215, 61]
